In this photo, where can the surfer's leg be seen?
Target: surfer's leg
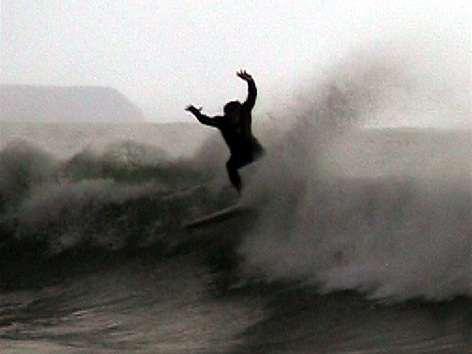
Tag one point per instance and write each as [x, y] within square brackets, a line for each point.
[232, 166]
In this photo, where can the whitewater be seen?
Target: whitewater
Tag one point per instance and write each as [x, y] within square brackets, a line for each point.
[360, 237]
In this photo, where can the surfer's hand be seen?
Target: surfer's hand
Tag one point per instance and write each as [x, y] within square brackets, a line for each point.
[193, 109]
[244, 75]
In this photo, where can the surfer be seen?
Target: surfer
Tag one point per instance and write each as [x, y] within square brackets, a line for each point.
[235, 126]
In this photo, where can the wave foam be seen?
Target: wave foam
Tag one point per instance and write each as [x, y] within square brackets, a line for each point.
[398, 234]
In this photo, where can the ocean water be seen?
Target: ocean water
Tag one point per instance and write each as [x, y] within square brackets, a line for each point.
[359, 240]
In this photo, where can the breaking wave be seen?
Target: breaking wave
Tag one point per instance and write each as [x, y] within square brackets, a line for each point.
[385, 212]
[336, 206]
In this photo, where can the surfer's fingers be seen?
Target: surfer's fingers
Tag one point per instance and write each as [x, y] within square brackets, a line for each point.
[243, 75]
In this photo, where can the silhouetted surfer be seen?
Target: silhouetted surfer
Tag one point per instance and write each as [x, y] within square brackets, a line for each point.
[235, 126]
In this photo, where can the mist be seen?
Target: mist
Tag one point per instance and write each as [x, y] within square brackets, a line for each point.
[382, 211]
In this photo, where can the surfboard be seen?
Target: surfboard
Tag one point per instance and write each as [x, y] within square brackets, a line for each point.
[218, 216]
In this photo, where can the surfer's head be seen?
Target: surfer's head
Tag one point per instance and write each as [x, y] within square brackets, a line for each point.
[233, 111]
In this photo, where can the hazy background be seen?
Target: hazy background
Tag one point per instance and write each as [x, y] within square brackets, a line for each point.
[165, 55]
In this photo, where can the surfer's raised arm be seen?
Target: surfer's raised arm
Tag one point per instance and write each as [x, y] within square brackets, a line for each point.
[251, 88]
[201, 117]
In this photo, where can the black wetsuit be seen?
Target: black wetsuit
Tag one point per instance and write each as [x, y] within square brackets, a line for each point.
[244, 147]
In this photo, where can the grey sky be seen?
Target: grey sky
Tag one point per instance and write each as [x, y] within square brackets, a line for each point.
[166, 54]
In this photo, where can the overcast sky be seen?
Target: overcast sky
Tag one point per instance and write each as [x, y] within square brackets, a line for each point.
[166, 54]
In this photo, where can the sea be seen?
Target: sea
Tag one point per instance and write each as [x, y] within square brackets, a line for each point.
[357, 239]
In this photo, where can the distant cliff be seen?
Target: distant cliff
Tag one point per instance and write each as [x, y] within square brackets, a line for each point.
[24, 103]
